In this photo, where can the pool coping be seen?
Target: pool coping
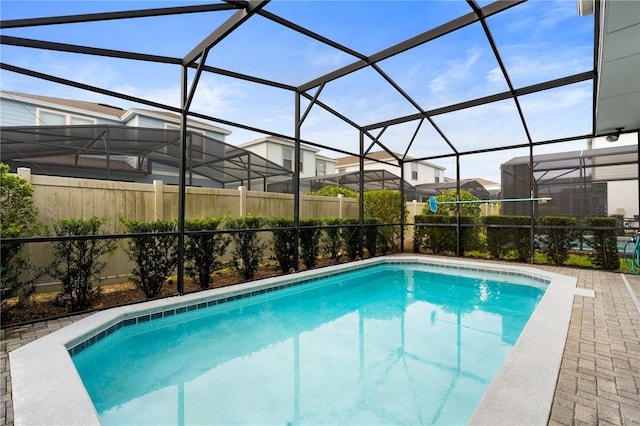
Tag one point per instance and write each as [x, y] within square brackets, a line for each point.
[521, 392]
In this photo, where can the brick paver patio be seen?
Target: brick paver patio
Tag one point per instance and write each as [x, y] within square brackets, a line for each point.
[599, 380]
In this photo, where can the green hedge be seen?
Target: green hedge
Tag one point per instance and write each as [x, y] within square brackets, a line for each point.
[440, 239]
[350, 237]
[202, 251]
[155, 256]
[500, 241]
[604, 242]
[310, 241]
[247, 248]
[555, 242]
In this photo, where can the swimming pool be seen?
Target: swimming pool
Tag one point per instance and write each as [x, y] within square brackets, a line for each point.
[358, 327]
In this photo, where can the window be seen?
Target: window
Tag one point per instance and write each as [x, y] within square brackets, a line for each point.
[287, 158]
[414, 171]
[436, 175]
[321, 168]
[195, 137]
[54, 118]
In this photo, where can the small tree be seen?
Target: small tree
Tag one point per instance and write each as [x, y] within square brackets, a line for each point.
[502, 240]
[372, 239]
[469, 215]
[385, 206]
[350, 236]
[558, 237]
[310, 241]
[247, 248]
[77, 262]
[18, 218]
[154, 255]
[334, 191]
[449, 195]
[202, 250]
[331, 242]
[605, 253]
[282, 243]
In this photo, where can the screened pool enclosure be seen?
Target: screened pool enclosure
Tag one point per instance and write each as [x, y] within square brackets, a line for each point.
[470, 85]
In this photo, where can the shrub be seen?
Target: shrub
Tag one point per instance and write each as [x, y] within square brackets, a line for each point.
[441, 239]
[247, 250]
[202, 250]
[500, 241]
[350, 236]
[604, 242]
[310, 241]
[556, 242]
[385, 206]
[282, 243]
[331, 242]
[449, 195]
[372, 239]
[18, 218]
[76, 262]
[334, 191]
[155, 256]
[419, 233]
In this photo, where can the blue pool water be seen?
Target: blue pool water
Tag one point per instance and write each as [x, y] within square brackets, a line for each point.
[389, 344]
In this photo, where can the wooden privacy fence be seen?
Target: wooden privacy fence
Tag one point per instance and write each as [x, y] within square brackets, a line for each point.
[61, 198]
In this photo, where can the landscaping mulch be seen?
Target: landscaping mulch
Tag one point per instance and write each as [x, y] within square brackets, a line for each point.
[42, 306]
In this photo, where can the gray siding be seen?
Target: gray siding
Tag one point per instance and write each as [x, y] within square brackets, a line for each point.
[17, 113]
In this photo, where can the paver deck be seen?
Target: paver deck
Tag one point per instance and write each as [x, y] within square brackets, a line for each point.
[599, 381]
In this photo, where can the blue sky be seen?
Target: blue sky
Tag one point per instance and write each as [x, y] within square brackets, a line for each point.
[538, 41]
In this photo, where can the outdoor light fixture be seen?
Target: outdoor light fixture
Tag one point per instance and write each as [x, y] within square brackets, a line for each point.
[613, 137]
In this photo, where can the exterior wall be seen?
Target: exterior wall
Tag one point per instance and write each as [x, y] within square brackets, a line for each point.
[626, 139]
[622, 198]
[272, 151]
[17, 113]
[425, 172]
[330, 166]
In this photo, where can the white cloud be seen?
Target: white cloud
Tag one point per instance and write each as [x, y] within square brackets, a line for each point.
[455, 71]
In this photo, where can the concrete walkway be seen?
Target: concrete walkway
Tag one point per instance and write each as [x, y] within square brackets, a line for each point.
[599, 380]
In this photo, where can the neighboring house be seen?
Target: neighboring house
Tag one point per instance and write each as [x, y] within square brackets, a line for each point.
[415, 173]
[600, 180]
[281, 151]
[74, 138]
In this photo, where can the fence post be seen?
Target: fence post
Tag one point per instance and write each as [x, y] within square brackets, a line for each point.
[158, 188]
[340, 206]
[414, 203]
[243, 200]
[24, 173]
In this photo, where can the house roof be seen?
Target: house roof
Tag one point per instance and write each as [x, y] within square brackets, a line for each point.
[471, 185]
[72, 104]
[378, 155]
[278, 140]
[108, 111]
[175, 118]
